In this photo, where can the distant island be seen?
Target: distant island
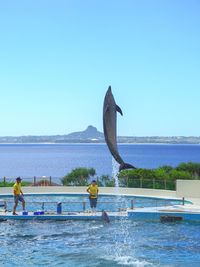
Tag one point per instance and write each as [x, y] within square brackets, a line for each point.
[92, 135]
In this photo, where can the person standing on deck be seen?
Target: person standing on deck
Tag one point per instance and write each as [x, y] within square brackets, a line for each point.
[18, 195]
[93, 191]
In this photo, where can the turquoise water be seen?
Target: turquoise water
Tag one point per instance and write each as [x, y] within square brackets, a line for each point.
[96, 244]
[78, 203]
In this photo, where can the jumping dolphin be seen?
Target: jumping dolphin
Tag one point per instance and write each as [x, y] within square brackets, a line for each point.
[110, 109]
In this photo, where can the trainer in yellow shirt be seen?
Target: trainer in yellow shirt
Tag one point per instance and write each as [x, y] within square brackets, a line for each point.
[18, 195]
[93, 191]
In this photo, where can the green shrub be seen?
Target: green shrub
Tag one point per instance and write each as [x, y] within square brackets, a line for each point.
[107, 181]
[78, 177]
[191, 167]
[10, 184]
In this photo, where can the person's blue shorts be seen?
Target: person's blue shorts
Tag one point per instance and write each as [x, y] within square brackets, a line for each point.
[93, 202]
[18, 198]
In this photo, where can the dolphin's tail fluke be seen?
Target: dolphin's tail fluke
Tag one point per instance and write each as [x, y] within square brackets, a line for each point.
[125, 166]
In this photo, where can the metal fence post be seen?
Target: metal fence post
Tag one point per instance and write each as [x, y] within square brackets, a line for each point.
[4, 180]
[34, 180]
[132, 204]
[140, 182]
[165, 184]
[153, 183]
[49, 180]
[5, 206]
[84, 205]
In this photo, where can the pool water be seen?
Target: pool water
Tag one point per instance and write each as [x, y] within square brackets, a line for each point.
[93, 243]
[96, 243]
[81, 202]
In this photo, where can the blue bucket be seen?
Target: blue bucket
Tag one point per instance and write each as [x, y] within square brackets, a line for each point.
[41, 212]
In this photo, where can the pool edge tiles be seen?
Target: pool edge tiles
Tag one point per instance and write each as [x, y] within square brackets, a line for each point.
[64, 216]
[138, 214]
[155, 214]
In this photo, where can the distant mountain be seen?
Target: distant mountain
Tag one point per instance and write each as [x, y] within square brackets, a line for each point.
[91, 133]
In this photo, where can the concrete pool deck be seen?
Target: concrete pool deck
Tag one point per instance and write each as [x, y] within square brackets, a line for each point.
[102, 190]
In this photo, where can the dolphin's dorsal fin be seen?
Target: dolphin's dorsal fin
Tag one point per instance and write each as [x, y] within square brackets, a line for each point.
[119, 110]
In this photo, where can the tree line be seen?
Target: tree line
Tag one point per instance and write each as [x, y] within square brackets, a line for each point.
[163, 177]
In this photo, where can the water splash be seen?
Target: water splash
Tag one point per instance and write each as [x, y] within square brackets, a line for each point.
[129, 261]
[121, 242]
[122, 250]
[115, 171]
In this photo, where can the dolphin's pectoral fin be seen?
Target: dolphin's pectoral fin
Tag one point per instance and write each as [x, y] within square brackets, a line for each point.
[106, 108]
[125, 166]
[118, 109]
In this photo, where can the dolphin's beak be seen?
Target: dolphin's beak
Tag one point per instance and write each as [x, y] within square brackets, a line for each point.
[109, 89]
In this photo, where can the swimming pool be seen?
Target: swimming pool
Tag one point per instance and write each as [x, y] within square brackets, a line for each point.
[95, 243]
[80, 202]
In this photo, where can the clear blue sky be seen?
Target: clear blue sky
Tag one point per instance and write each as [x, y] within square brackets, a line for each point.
[58, 57]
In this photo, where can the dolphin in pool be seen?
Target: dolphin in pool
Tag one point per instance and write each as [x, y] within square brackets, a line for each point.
[110, 109]
[104, 216]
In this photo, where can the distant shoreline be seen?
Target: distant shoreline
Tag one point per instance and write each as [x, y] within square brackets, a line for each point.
[97, 143]
[92, 136]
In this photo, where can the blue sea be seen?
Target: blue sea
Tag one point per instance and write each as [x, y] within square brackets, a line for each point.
[56, 160]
